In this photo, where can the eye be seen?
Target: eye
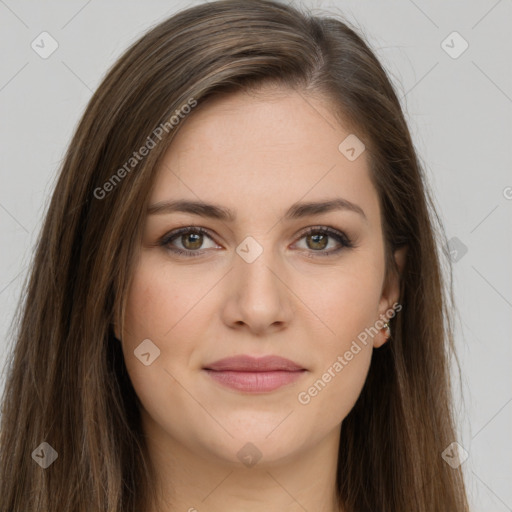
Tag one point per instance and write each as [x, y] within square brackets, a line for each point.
[191, 239]
[317, 239]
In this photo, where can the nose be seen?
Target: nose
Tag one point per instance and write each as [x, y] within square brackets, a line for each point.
[258, 298]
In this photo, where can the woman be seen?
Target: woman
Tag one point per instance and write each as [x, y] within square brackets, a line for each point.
[236, 301]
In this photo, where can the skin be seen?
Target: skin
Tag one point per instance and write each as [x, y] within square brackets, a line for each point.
[256, 154]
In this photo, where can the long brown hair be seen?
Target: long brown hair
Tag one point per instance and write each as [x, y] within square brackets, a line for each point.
[67, 383]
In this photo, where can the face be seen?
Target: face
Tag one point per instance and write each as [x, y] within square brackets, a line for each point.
[273, 280]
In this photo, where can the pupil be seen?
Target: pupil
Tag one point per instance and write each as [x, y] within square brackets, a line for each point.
[195, 244]
[315, 241]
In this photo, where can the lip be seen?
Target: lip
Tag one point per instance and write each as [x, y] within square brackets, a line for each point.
[245, 363]
[254, 375]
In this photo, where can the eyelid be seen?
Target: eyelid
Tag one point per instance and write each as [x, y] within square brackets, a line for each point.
[175, 233]
[342, 239]
[328, 230]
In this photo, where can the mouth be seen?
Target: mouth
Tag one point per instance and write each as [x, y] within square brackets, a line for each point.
[255, 375]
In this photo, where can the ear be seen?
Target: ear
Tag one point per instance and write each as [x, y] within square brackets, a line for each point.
[390, 295]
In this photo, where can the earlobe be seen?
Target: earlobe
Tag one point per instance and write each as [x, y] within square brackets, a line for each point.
[383, 335]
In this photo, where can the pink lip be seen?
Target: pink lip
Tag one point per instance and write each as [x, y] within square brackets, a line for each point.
[246, 373]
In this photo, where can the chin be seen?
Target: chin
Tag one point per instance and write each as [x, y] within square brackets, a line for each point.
[254, 444]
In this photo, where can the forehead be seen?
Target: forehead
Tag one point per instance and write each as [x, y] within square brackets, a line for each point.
[264, 149]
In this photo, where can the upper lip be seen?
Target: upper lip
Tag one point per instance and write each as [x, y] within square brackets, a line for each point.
[244, 363]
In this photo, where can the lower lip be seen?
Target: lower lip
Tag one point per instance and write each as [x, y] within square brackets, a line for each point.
[255, 382]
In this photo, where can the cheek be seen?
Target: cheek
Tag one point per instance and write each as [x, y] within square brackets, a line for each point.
[156, 302]
[342, 357]
[169, 306]
[159, 307]
[162, 297]
[346, 302]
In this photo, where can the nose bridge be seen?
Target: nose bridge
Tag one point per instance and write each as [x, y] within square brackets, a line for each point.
[253, 264]
[260, 295]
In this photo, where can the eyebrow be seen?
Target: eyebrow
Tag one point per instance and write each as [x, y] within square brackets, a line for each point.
[296, 211]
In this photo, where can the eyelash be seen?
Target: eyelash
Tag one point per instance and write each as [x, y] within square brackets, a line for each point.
[339, 236]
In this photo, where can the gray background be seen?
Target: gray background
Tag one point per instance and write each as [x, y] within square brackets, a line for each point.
[459, 111]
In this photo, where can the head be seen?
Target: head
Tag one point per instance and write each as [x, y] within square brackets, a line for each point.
[254, 118]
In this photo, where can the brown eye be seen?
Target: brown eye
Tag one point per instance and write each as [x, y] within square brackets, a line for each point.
[187, 241]
[192, 240]
[319, 241]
